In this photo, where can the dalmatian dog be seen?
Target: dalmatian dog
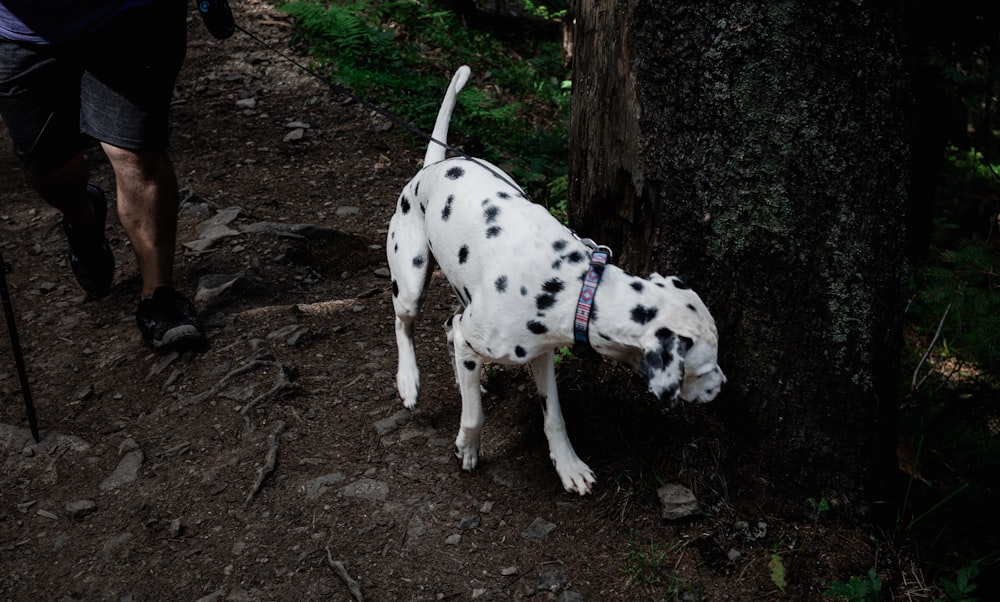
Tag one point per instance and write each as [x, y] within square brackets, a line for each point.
[518, 274]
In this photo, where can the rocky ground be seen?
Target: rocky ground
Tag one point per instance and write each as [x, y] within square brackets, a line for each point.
[279, 464]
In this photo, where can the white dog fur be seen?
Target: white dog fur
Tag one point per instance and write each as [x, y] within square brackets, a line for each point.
[518, 273]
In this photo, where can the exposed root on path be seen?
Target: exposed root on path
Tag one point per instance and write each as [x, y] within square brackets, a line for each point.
[270, 461]
[339, 568]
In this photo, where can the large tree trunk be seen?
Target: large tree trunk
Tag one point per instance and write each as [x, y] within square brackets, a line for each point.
[761, 150]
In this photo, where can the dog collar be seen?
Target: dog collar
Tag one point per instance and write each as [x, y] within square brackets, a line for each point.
[598, 259]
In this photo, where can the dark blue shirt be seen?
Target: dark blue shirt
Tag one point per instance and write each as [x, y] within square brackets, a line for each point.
[55, 21]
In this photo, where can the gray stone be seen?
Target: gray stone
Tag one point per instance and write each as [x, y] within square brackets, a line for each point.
[387, 425]
[368, 489]
[538, 530]
[115, 543]
[127, 471]
[212, 287]
[317, 487]
[677, 502]
[80, 508]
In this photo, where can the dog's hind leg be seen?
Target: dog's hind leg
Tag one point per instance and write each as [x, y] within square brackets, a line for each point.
[410, 263]
[574, 472]
[468, 366]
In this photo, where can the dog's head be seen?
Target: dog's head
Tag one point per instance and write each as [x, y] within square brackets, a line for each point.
[680, 347]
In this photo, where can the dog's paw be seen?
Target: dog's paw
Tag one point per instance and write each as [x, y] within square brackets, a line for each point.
[467, 450]
[409, 388]
[576, 476]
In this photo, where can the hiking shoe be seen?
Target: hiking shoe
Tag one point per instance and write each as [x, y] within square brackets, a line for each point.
[168, 320]
[90, 255]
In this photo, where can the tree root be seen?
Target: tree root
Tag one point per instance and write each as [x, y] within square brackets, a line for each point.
[339, 568]
[269, 461]
[282, 386]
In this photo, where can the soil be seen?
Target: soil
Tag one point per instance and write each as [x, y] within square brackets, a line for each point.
[151, 479]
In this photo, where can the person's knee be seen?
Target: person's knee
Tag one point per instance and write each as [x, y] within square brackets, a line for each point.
[143, 164]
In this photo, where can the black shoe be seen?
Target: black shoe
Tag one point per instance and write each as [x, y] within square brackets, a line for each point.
[90, 255]
[167, 320]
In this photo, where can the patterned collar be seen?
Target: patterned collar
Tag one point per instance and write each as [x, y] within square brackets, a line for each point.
[598, 259]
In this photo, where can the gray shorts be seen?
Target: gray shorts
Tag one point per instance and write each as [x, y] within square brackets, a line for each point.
[114, 86]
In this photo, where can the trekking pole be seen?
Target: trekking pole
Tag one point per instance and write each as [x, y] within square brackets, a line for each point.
[15, 344]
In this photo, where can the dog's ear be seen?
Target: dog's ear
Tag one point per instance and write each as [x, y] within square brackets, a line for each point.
[662, 364]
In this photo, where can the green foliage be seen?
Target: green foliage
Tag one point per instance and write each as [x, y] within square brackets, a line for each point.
[953, 378]
[857, 589]
[777, 571]
[400, 54]
[646, 569]
[960, 589]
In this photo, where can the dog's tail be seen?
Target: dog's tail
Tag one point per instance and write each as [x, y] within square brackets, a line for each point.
[437, 147]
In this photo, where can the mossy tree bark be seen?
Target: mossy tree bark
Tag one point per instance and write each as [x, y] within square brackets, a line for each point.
[761, 149]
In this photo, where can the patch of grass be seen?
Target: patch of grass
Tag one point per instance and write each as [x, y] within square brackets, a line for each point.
[400, 55]
[646, 568]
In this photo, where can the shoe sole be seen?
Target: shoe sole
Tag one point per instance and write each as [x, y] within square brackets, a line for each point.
[184, 335]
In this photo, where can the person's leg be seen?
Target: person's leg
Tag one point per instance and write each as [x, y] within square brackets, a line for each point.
[39, 102]
[125, 104]
[147, 210]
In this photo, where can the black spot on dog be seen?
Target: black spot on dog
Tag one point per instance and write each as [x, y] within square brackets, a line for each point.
[392, 235]
[537, 327]
[559, 245]
[423, 209]
[463, 254]
[557, 264]
[493, 231]
[575, 257]
[419, 261]
[692, 308]
[501, 284]
[454, 173]
[553, 285]
[485, 202]
[679, 283]
[637, 286]
[643, 315]
[395, 288]
[404, 205]
[446, 210]
[416, 189]
[503, 195]
[491, 214]
[543, 302]
[469, 365]
[548, 298]
[524, 291]
[395, 248]
[519, 351]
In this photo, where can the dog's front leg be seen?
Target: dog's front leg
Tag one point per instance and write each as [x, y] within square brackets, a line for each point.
[468, 366]
[574, 472]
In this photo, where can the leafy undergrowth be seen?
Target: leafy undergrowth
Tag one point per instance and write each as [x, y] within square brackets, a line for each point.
[400, 56]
